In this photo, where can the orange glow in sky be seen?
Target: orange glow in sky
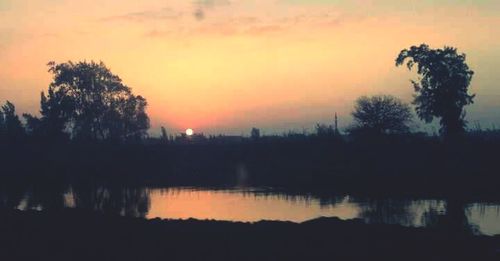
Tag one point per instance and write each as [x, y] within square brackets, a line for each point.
[229, 65]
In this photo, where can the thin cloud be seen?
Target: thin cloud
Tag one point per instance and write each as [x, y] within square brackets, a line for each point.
[142, 16]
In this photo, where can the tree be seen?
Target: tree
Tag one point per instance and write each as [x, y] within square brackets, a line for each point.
[11, 125]
[381, 114]
[442, 90]
[255, 133]
[2, 124]
[33, 125]
[164, 136]
[89, 102]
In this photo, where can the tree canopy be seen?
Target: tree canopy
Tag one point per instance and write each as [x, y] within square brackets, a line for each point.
[10, 125]
[380, 114]
[87, 101]
[442, 89]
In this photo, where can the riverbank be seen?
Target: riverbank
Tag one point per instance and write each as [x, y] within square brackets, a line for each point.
[71, 234]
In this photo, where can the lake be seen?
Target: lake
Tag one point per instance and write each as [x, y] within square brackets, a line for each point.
[255, 204]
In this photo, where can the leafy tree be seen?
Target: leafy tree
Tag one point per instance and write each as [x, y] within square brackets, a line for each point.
[55, 109]
[442, 89]
[33, 125]
[381, 114]
[11, 125]
[89, 102]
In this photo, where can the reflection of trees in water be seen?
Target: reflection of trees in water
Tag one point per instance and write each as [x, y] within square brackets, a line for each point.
[123, 200]
[32, 195]
[294, 197]
[48, 195]
[456, 218]
[389, 211]
[11, 194]
[128, 201]
[451, 215]
[481, 209]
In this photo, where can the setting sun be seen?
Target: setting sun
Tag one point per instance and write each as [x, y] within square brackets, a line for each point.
[189, 132]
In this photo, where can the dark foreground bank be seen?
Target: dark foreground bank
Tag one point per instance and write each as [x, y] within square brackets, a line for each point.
[76, 235]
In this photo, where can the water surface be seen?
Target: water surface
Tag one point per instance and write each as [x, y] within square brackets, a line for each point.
[255, 204]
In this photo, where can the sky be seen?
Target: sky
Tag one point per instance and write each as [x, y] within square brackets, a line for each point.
[225, 66]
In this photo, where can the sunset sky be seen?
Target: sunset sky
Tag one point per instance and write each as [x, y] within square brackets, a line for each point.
[224, 66]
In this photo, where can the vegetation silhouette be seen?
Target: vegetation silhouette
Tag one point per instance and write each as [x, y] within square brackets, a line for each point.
[379, 115]
[88, 102]
[11, 128]
[442, 91]
[255, 133]
[164, 136]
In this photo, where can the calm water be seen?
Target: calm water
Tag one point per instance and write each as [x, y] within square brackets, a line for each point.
[251, 205]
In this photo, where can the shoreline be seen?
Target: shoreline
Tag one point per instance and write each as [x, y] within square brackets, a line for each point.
[73, 234]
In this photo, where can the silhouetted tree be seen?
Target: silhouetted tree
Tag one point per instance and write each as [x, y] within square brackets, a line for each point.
[255, 133]
[55, 112]
[336, 126]
[33, 124]
[164, 136]
[2, 125]
[381, 114]
[89, 102]
[11, 125]
[442, 91]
